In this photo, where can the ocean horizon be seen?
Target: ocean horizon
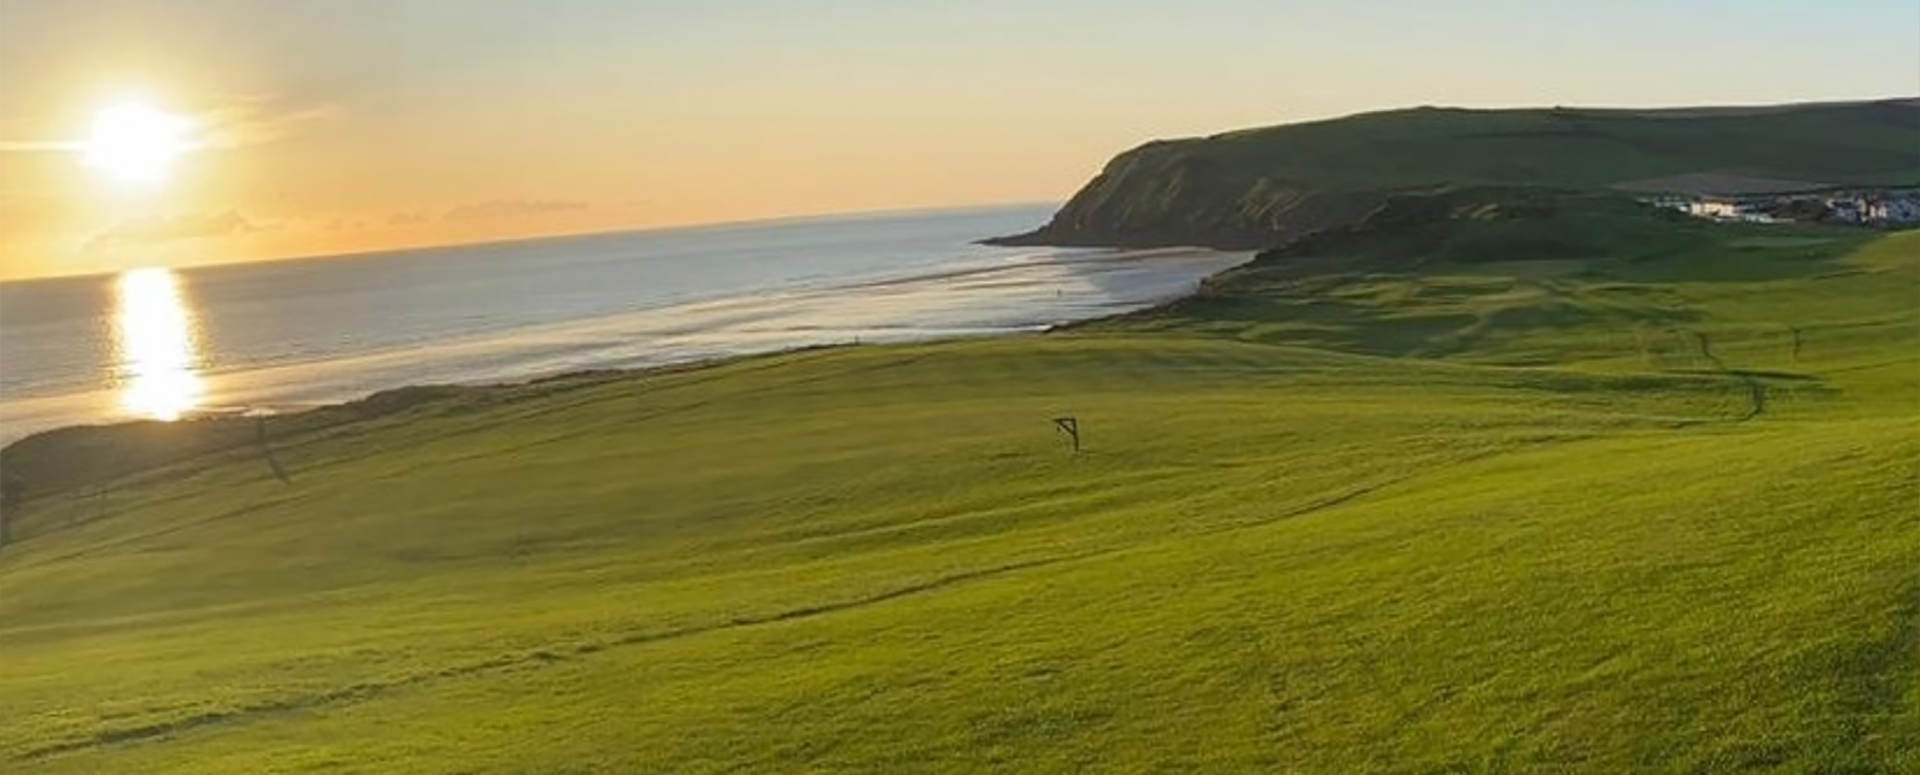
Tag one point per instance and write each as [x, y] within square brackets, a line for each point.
[292, 334]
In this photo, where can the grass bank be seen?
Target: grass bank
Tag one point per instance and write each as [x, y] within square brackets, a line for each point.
[1543, 509]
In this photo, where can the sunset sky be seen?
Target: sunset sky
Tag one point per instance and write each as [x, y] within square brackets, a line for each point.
[322, 126]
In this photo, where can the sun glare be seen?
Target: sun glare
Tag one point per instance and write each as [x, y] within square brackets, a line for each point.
[159, 378]
[135, 143]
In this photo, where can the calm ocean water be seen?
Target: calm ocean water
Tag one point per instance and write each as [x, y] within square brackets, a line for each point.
[166, 343]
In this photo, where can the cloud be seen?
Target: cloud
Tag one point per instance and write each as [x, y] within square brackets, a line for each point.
[175, 228]
[224, 122]
[510, 208]
[414, 218]
[244, 120]
[342, 223]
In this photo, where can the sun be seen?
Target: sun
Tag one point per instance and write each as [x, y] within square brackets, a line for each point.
[134, 142]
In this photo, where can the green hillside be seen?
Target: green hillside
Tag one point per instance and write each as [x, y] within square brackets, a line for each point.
[1257, 188]
[1499, 482]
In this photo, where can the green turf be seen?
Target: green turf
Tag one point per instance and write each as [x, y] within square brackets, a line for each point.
[1630, 511]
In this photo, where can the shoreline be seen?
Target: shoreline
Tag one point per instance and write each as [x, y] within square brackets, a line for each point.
[972, 296]
[230, 426]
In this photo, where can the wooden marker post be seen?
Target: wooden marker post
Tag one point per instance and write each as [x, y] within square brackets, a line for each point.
[266, 449]
[1071, 427]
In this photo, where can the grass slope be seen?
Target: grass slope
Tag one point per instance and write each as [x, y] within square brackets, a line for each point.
[1258, 187]
[1619, 512]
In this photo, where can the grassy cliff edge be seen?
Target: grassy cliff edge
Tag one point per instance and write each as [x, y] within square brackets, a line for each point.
[1256, 188]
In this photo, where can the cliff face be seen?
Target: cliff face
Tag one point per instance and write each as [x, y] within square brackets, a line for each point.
[1165, 194]
[1261, 187]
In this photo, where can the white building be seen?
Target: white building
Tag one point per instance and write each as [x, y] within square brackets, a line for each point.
[1901, 210]
[1846, 210]
[1868, 206]
[1717, 209]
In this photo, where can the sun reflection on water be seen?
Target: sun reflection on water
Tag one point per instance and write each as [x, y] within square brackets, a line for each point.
[157, 353]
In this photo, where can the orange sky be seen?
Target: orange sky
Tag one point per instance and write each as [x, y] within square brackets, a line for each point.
[349, 125]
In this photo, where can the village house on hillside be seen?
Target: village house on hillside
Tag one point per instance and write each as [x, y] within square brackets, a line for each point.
[1887, 208]
[1901, 210]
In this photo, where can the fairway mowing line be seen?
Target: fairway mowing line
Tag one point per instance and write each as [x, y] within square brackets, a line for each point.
[641, 418]
[347, 431]
[130, 486]
[124, 540]
[1870, 366]
[535, 658]
[647, 381]
[1355, 494]
[846, 605]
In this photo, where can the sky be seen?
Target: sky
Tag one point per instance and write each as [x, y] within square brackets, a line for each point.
[331, 126]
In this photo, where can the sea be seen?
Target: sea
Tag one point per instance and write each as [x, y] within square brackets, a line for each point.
[168, 344]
